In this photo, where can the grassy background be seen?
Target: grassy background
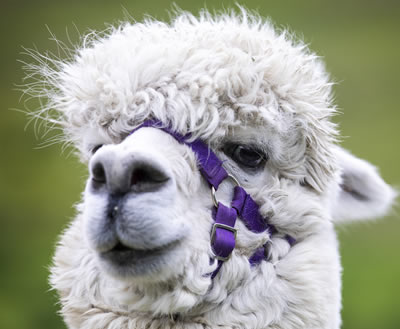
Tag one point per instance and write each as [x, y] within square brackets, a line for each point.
[360, 42]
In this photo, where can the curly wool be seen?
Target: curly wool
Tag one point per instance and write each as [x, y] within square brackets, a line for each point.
[204, 75]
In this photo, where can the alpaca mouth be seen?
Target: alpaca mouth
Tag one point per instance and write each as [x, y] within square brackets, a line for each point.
[120, 247]
[125, 260]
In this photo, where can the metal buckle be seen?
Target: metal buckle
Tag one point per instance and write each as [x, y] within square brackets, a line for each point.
[225, 227]
[213, 190]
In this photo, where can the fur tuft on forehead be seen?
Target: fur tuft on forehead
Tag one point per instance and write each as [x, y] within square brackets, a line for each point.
[207, 75]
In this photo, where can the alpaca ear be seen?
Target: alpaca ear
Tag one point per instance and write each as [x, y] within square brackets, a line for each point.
[363, 194]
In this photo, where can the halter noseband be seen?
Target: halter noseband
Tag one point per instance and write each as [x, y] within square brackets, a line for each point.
[223, 232]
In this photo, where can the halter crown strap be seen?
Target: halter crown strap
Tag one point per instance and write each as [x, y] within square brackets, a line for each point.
[223, 234]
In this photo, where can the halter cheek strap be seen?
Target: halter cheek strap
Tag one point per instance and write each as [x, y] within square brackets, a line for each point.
[223, 233]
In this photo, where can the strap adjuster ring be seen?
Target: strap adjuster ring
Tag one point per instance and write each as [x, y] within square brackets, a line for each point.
[224, 227]
[214, 191]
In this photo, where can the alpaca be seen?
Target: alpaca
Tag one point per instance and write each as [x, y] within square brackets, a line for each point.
[141, 251]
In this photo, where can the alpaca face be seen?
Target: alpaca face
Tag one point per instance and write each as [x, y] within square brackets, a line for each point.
[145, 201]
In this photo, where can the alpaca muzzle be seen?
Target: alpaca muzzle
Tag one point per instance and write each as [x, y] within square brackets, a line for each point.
[129, 194]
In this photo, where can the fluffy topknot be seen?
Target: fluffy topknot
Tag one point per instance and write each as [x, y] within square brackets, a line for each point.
[205, 75]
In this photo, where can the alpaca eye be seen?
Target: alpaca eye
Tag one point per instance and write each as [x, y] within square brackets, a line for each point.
[247, 156]
[96, 148]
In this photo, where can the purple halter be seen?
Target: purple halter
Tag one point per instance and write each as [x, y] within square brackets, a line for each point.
[223, 233]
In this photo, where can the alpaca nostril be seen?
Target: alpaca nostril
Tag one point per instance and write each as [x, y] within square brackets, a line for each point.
[99, 174]
[139, 175]
[116, 173]
[147, 179]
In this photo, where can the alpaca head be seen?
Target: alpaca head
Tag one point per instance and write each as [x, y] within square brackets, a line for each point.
[139, 250]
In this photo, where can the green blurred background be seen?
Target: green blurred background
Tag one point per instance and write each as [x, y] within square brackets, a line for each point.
[38, 187]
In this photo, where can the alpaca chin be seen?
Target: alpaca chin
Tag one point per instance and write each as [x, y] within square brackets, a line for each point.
[125, 262]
